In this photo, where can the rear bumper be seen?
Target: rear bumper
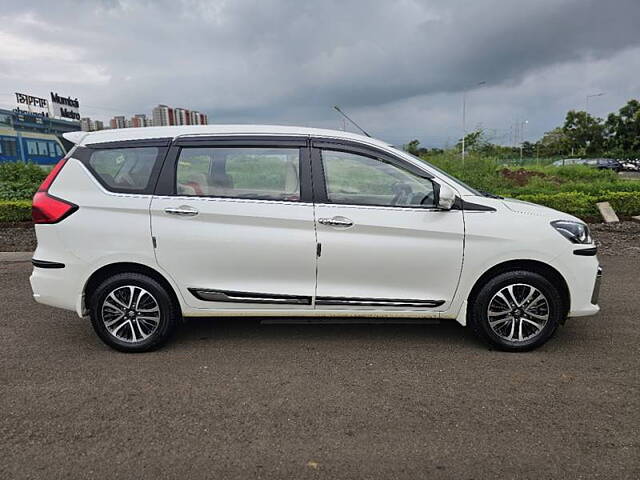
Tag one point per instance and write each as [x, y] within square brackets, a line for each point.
[56, 287]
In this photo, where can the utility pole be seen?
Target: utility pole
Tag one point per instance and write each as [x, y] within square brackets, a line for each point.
[464, 117]
[523, 124]
[586, 101]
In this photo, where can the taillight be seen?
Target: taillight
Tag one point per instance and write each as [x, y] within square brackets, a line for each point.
[46, 208]
[46, 183]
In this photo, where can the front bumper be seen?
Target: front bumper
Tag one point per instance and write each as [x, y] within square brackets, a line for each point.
[596, 288]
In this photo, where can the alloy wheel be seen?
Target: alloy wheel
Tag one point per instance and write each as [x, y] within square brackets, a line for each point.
[130, 313]
[518, 312]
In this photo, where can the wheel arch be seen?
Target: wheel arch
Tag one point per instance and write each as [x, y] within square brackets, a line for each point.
[111, 269]
[536, 266]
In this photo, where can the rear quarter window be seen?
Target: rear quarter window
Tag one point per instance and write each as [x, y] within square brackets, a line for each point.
[126, 170]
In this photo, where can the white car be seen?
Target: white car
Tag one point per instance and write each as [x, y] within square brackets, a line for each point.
[138, 228]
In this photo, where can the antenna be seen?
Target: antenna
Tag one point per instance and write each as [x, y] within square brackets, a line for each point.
[337, 108]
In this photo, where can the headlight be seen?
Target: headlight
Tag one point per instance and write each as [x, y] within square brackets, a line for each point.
[575, 232]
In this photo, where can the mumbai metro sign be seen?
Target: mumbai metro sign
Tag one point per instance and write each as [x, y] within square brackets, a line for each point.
[34, 105]
[65, 107]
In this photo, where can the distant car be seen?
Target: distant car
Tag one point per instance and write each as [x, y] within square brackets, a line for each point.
[568, 161]
[599, 163]
[630, 166]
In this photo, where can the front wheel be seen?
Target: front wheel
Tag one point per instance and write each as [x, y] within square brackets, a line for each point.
[132, 312]
[516, 311]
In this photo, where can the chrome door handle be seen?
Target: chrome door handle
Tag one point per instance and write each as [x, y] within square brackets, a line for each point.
[336, 222]
[183, 211]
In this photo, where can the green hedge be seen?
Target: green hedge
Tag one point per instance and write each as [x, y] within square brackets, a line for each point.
[19, 181]
[582, 205]
[15, 210]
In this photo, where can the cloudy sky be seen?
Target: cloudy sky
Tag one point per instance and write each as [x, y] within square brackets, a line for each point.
[399, 67]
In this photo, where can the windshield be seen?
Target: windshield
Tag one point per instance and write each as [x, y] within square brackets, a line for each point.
[443, 173]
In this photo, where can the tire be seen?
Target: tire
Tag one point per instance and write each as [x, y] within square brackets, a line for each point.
[539, 316]
[132, 312]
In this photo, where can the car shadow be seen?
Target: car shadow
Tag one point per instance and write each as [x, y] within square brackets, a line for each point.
[229, 329]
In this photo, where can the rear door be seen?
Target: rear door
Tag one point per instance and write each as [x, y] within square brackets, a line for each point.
[233, 222]
[383, 244]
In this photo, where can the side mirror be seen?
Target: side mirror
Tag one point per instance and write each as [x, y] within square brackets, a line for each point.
[445, 196]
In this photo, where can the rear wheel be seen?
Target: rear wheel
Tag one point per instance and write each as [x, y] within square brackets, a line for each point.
[516, 311]
[132, 312]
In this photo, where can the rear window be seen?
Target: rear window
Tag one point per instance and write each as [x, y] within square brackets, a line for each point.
[125, 170]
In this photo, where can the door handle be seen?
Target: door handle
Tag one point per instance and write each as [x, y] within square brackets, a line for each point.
[182, 211]
[336, 222]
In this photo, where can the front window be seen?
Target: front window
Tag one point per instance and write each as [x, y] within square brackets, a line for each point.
[361, 180]
[254, 173]
[444, 174]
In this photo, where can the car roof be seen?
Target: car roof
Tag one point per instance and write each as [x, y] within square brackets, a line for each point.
[147, 133]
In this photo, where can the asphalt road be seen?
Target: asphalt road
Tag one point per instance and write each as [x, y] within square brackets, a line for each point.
[236, 399]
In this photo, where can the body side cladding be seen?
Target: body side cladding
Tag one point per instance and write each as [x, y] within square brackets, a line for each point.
[586, 252]
[46, 264]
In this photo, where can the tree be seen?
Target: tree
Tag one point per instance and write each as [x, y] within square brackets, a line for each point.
[554, 144]
[584, 133]
[413, 147]
[473, 141]
[623, 130]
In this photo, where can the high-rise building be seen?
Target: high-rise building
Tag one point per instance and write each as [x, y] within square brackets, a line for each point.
[85, 124]
[163, 115]
[88, 125]
[139, 120]
[118, 122]
[198, 118]
[183, 116]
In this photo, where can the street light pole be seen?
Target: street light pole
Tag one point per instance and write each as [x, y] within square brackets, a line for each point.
[586, 103]
[464, 116]
[522, 125]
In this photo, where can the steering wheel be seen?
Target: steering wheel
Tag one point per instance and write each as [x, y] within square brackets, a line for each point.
[401, 192]
[427, 199]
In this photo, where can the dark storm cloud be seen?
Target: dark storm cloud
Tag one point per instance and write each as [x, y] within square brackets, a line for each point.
[289, 61]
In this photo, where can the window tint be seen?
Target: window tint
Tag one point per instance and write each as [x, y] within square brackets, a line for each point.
[124, 169]
[359, 180]
[260, 173]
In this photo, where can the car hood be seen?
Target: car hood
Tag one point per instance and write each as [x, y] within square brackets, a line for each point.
[528, 208]
[523, 208]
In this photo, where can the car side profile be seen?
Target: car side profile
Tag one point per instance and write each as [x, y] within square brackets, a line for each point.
[138, 228]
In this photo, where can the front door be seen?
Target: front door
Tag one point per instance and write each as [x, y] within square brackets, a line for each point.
[383, 244]
[236, 230]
